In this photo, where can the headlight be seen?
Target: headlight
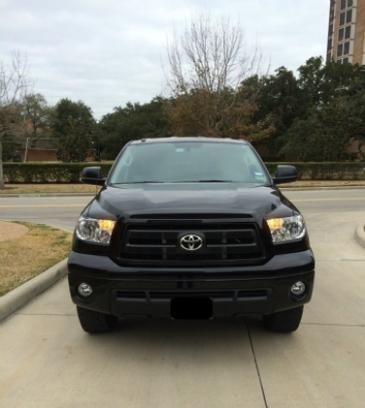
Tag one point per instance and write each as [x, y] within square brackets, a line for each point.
[286, 229]
[95, 231]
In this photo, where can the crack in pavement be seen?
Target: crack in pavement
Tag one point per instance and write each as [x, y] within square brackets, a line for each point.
[257, 367]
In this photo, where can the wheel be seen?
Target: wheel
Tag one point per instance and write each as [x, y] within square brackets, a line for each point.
[284, 322]
[95, 322]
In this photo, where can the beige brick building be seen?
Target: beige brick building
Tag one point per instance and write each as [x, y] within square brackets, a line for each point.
[346, 33]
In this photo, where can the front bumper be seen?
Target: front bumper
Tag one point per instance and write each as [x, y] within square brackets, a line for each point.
[150, 292]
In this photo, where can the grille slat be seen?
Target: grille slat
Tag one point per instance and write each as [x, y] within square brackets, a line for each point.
[156, 242]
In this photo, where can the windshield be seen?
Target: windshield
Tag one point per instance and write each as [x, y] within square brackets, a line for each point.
[188, 162]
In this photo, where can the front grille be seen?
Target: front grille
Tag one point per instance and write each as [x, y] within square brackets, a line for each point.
[232, 294]
[155, 241]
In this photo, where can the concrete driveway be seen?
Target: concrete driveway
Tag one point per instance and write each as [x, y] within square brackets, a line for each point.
[46, 360]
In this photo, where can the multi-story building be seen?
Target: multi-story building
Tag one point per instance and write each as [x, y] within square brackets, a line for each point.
[346, 33]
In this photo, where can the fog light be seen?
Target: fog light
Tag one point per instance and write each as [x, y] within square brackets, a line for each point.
[298, 288]
[85, 290]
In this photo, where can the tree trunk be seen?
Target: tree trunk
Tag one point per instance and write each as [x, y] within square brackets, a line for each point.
[2, 184]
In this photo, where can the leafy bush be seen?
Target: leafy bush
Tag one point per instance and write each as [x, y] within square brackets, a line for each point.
[326, 170]
[48, 172]
[70, 172]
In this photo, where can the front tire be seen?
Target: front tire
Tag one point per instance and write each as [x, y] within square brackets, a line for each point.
[286, 321]
[95, 322]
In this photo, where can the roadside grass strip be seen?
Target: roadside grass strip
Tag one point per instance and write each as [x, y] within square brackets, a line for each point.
[27, 256]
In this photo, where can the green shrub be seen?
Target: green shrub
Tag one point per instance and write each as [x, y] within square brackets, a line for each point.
[38, 172]
[326, 170]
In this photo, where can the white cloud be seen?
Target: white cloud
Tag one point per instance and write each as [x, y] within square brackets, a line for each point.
[108, 52]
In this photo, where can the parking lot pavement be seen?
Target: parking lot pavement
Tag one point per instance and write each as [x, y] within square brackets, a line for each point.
[322, 366]
[47, 361]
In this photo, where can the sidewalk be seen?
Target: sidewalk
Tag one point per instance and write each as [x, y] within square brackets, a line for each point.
[60, 190]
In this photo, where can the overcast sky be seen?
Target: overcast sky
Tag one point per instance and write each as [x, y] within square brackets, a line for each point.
[108, 52]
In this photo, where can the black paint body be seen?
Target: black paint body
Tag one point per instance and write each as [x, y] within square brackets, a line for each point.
[127, 284]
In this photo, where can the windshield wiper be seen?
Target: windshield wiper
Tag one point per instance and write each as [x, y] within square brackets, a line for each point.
[139, 182]
[213, 181]
[202, 181]
[172, 182]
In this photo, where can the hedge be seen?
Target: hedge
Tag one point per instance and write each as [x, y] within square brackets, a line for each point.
[326, 170]
[70, 172]
[38, 172]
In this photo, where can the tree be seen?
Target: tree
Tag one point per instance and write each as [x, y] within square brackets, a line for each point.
[279, 102]
[326, 133]
[321, 82]
[12, 137]
[200, 112]
[36, 111]
[73, 126]
[209, 55]
[322, 136]
[280, 97]
[134, 121]
[207, 65]
[13, 87]
[334, 114]
[356, 110]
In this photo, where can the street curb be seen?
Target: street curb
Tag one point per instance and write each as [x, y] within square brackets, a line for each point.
[48, 195]
[21, 295]
[322, 188]
[360, 235]
[93, 194]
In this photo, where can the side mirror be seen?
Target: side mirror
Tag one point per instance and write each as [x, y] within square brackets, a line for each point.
[92, 175]
[285, 174]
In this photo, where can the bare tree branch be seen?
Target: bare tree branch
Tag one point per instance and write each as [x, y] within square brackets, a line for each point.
[14, 80]
[208, 64]
[14, 84]
[209, 55]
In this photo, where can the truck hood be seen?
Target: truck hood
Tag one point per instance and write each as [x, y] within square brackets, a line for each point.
[189, 198]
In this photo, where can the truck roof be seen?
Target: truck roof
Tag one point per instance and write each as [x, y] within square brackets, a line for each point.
[188, 139]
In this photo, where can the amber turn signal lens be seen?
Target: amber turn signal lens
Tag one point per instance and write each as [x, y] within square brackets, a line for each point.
[106, 225]
[275, 223]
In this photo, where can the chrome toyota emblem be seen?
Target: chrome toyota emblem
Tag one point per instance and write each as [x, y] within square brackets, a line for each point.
[191, 242]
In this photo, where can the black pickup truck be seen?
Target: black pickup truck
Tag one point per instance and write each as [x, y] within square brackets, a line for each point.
[190, 228]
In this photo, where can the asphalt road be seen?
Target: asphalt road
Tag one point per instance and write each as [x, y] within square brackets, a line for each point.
[47, 361]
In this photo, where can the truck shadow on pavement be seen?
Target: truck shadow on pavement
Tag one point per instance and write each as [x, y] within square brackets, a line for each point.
[164, 334]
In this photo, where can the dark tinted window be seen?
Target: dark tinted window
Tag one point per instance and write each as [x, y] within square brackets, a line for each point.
[349, 16]
[342, 18]
[339, 50]
[348, 32]
[183, 162]
[341, 34]
[346, 48]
